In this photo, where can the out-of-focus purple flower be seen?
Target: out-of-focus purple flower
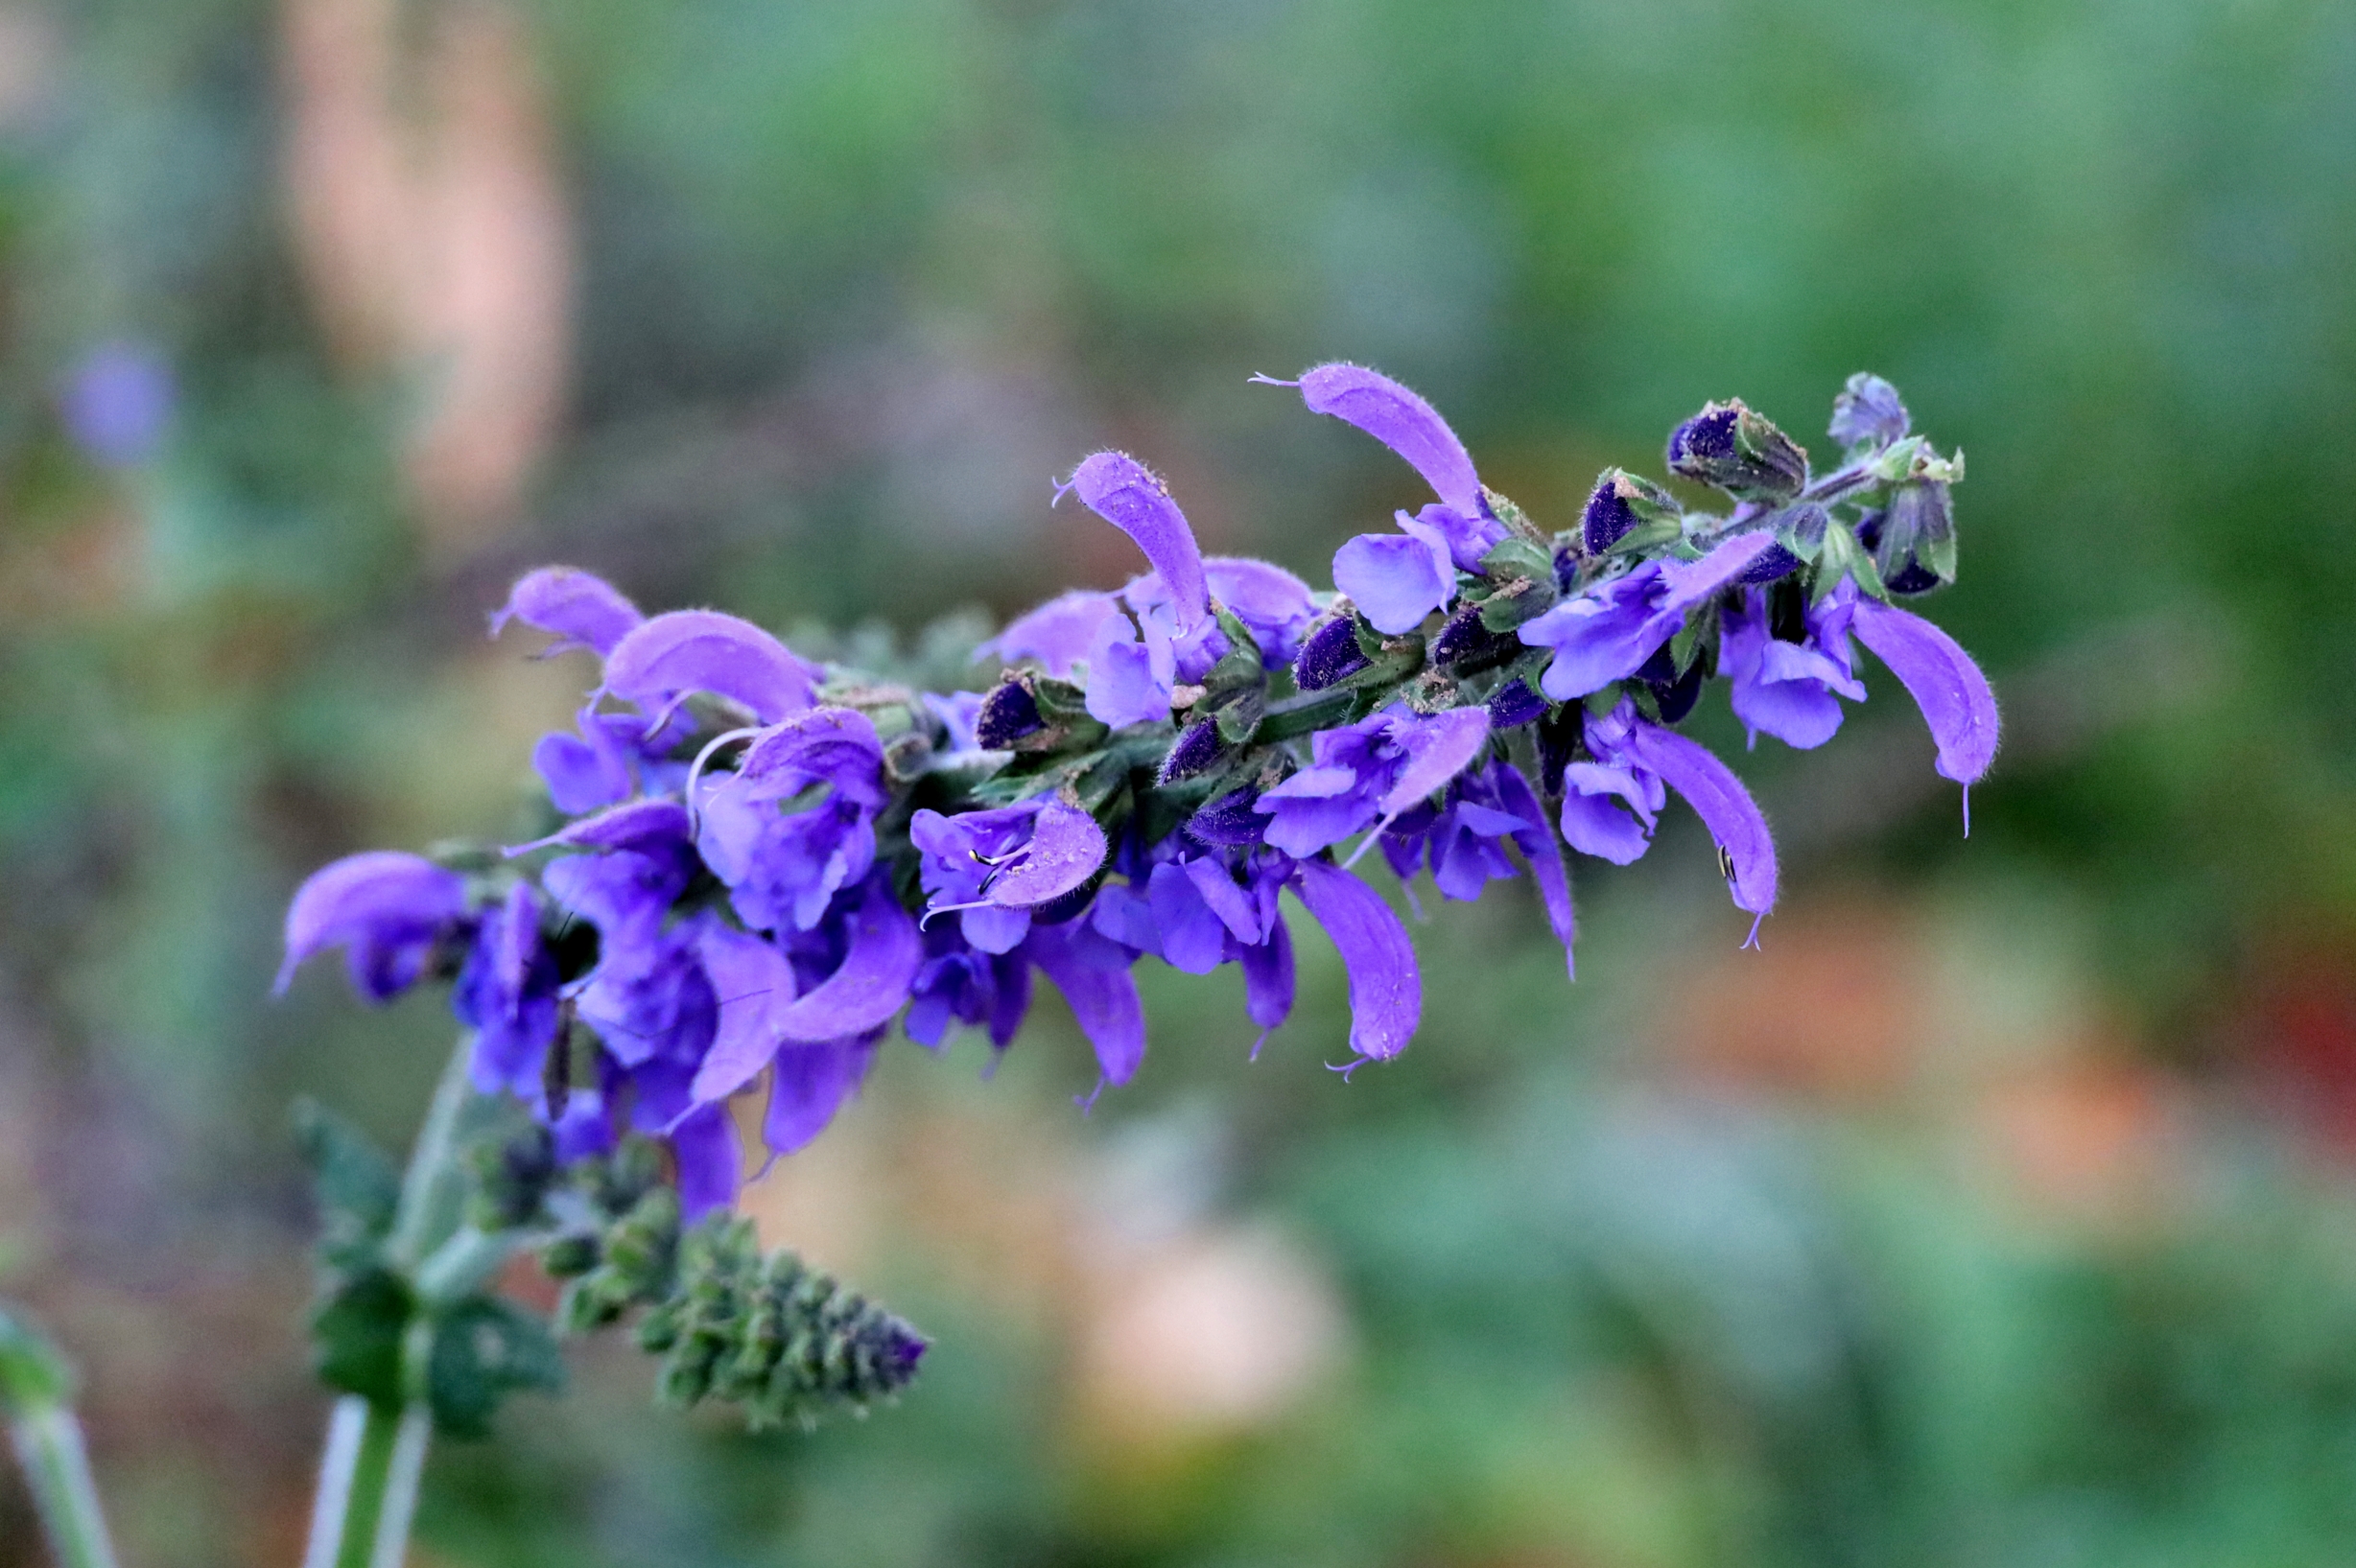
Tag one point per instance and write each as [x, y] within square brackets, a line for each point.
[117, 404]
[958, 983]
[647, 998]
[993, 868]
[781, 867]
[958, 713]
[507, 994]
[387, 910]
[658, 663]
[1543, 851]
[1791, 690]
[1867, 412]
[581, 608]
[1058, 634]
[1611, 805]
[710, 1163]
[1606, 633]
[1379, 767]
[1387, 988]
[1132, 498]
[1954, 696]
[1273, 604]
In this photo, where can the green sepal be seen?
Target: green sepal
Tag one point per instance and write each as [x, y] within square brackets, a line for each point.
[1240, 667]
[1515, 520]
[1515, 558]
[1306, 716]
[485, 1348]
[1844, 557]
[1240, 716]
[1520, 602]
[357, 1183]
[1647, 536]
[356, 1335]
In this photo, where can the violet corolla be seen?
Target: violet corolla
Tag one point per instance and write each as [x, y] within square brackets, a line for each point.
[755, 865]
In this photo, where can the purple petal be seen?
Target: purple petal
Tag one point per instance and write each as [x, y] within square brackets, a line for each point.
[1094, 976]
[875, 975]
[1954, 696]
[580, 775]
[837, 746]
[703, 651]
[1689, 582]
[657, 827]
[1057, 634]
[1273, 604]
[385, 906]
[1399, 420]
[1386, 991]
[1132, 498]
[811, 1085]
[1438, 748]
[1544, 852]
[1066, 849]
[1269, 976]
[1129, 682]
[1601, 636]
[1469, 538]
[1725, 807]
[1235, 906]
[577, 606]
[1592, 825]
[754, 983]
[1124, 915]
[1395, 579]
[710, 1163]
[1194, 938]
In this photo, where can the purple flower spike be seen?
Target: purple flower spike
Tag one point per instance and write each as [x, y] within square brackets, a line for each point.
[1395, 579]
[387, 909]
[1725, 807]
[581, 608]
[1399, 420]
[1387, 991]
[1954, 696]
[703, 651]
[1132, 498]
[1093, 973]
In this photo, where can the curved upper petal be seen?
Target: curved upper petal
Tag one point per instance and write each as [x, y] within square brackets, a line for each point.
[874, 979]
[1386, 990]
[1057, 633]
[578, 606]
[1725, 807]
[1399, 420]
[704, 650]
[1954, 696]
[1132, 498]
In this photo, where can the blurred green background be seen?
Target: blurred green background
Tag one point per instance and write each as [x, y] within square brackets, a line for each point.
[2001, 1211]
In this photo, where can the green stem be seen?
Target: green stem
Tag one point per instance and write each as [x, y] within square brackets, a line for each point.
[375, 1456]
[48, 1443]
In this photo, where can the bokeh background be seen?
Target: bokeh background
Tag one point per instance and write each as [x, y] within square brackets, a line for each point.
[2000, 1211]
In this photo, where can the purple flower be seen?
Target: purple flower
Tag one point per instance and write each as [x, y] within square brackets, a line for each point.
[387, 910]
[1611, 805]
[1395, 579]
[581, 608]
[1954, 696]
[609, 757]
[1379, 767]
[658, 663]
[1132, 498]
[783, 867]
[1093, 973]
[1386, 990]
[710, 1163]
[117, 404]
[1606, 633]
[1058, 634]
[993, 868]
[647, 998]
[1273, 604]
[1791, 690]
[507, 994]
[958, 983]
[1399, 420]
[1867, 412]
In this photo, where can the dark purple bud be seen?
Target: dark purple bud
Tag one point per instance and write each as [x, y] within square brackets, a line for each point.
[1566, 570]
[1331, 656]
[1729, 446]
[1620, 504]
[1867, 412]
[1675, 698]
[1558, 734]
[1869, 530]
[1773, 562]
[1465, 646]
[1514, 705]
[1195, 750]
[1009, 713]
[1228, 822]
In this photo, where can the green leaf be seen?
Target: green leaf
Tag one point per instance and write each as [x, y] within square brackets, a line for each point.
[356, 1335]
[485, 1348]
[32, 1375]
[358, 1185]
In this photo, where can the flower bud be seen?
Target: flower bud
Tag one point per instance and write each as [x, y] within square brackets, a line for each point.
[1914, 547]
[1867, 412]
[1628, 513]
[1742, 453]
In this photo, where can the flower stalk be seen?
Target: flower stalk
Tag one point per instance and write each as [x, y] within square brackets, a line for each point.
[37, 1396]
